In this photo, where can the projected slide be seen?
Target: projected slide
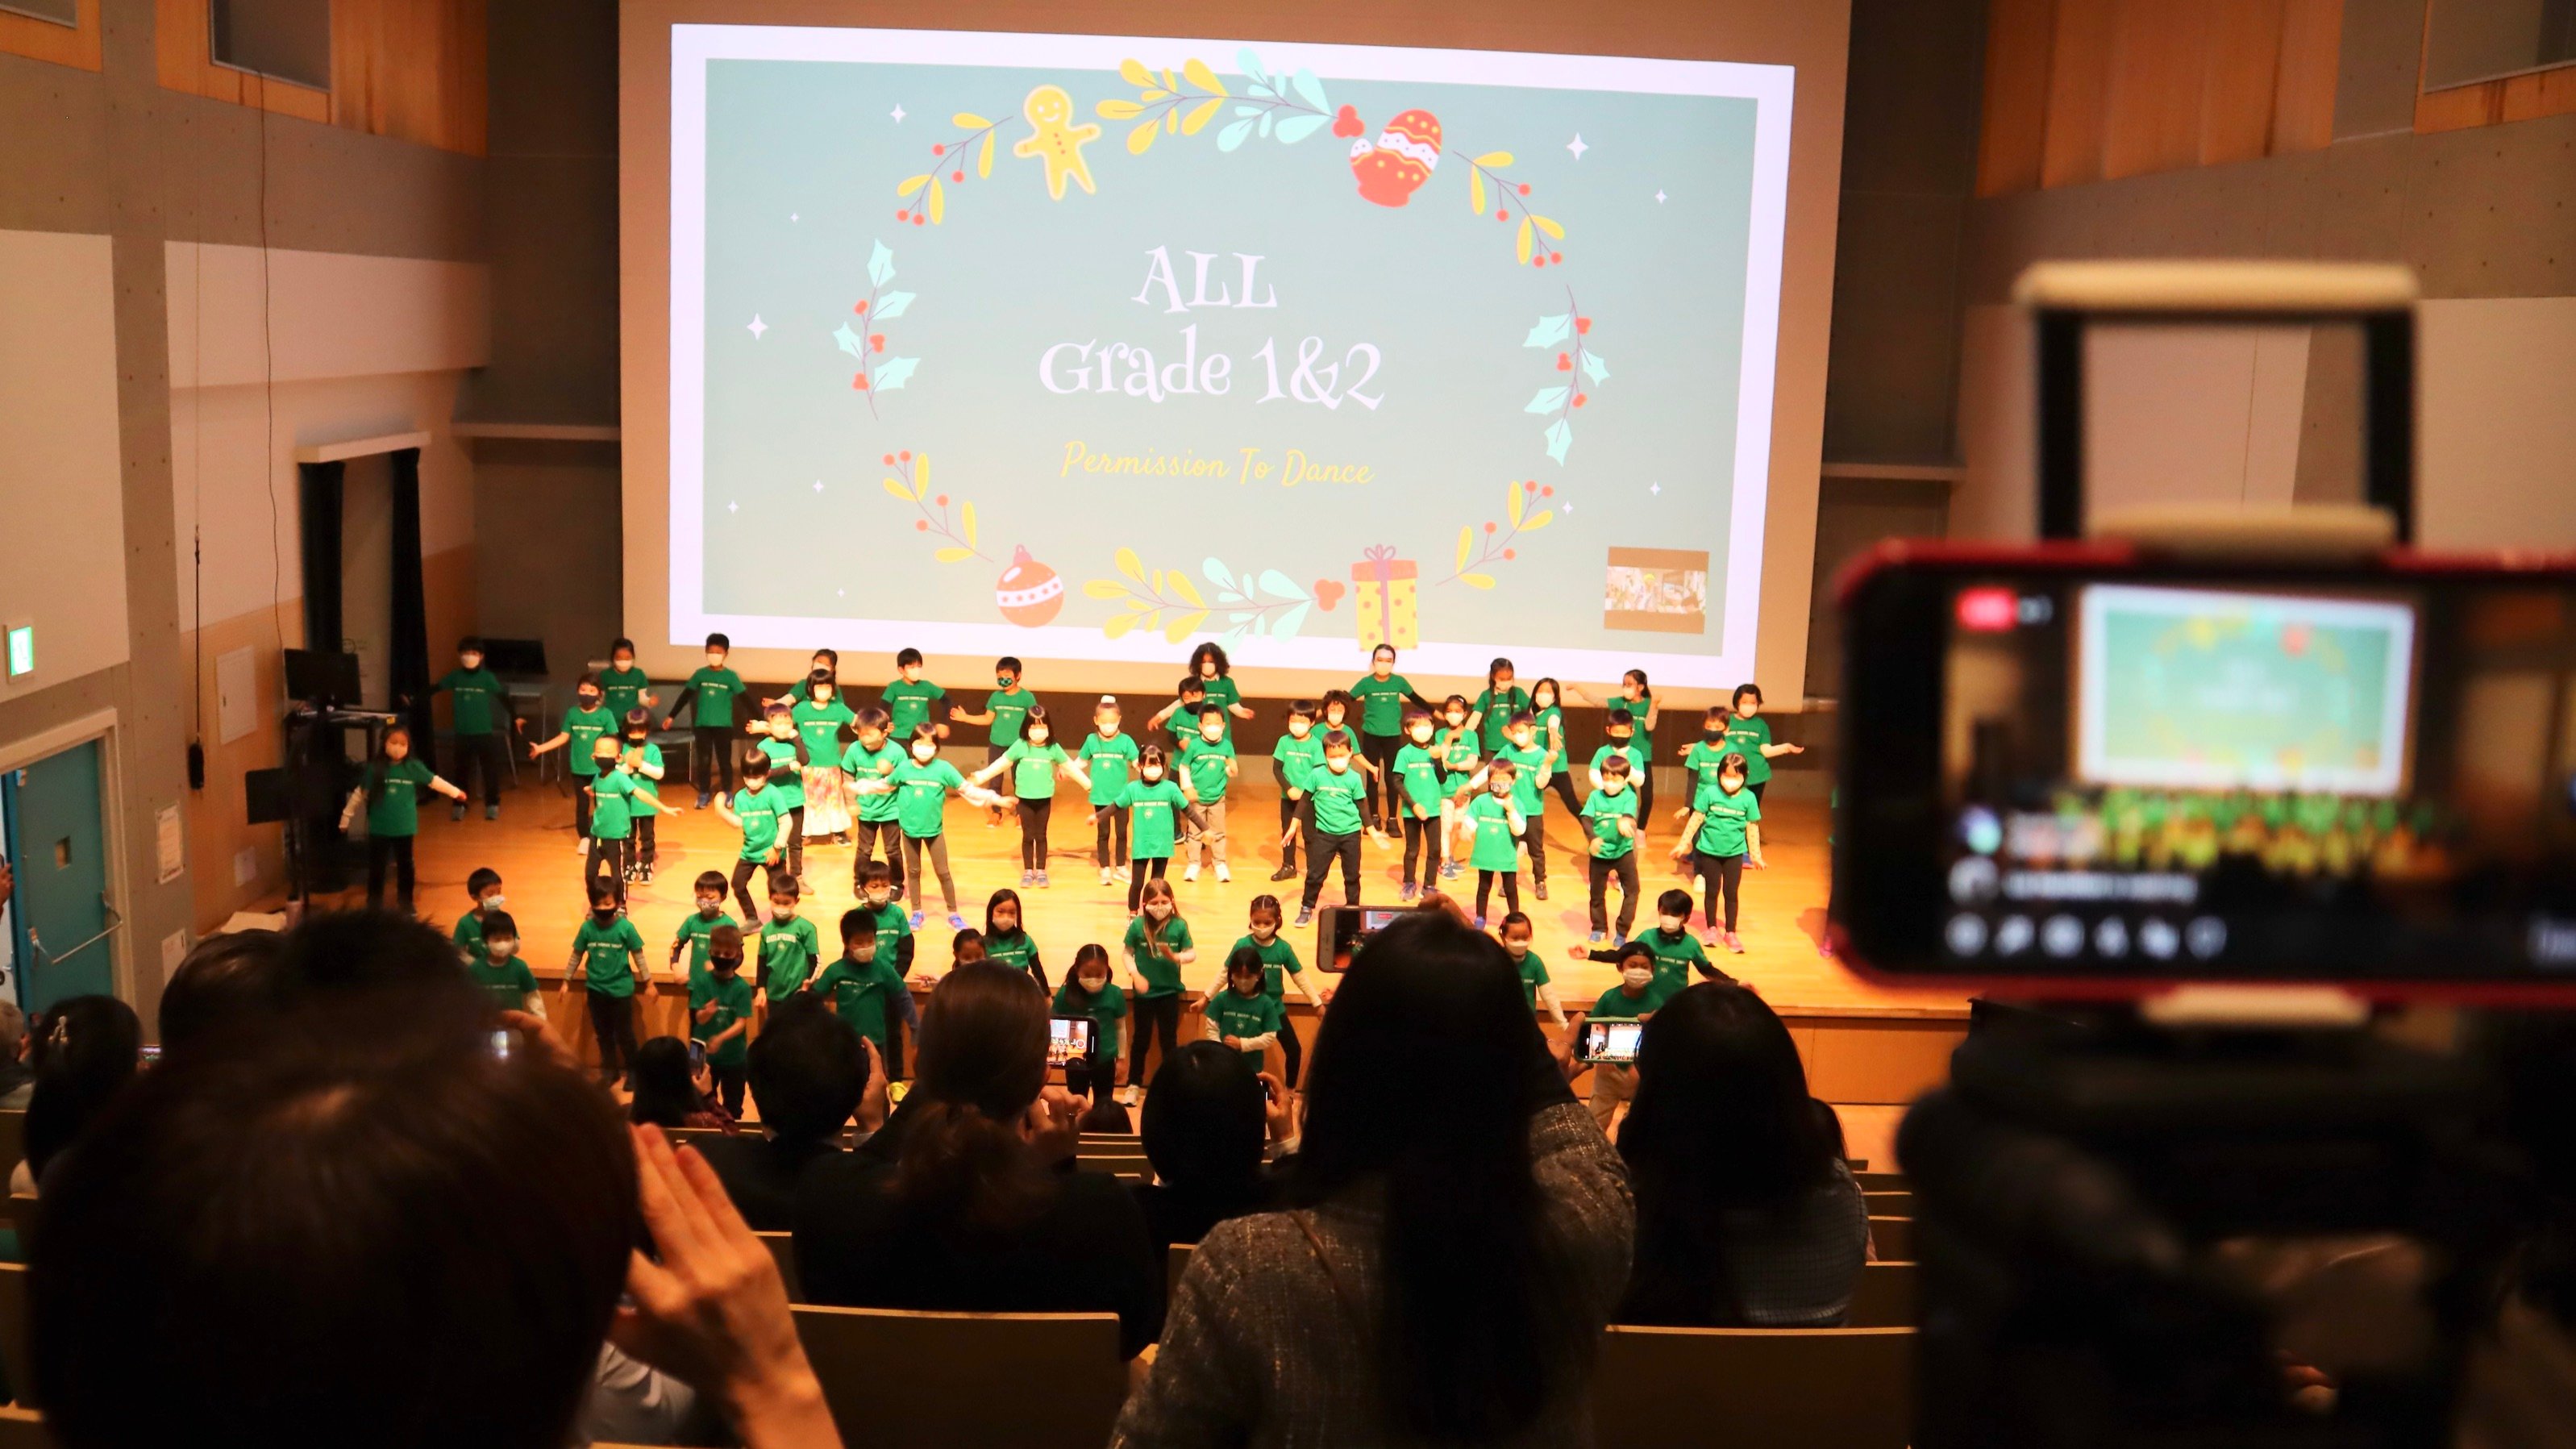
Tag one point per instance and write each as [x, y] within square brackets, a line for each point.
[2201, 689]
[1082, 347]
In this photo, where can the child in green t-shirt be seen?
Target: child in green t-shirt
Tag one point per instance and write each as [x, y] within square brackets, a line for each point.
[1031, 763]
[1518, 932]
[618, 797]
[1457, 754]
[921, 785]
[699, 926]
[1294, 756]
[1635, 998]
[389, 793]
[1385, 699]
[1108, 753]
[1243, 1016]
[819, 719]
[1669, 944]
[720, 1011]
[481, 706]
[1280, 969]
[863, 988]
[1723, 836]
[1493, 822]
[873, 755]
[484, 887]
[1610, 823]
[1495, 705]
[775, 735]
[909, 698]
[1531, 767]
[500, 971]
[758, 809]
[1088, 991]
[1419, 801]
[790, 947]
[1006, 709]
[1639, 701]
[644, 760]
[1157, 946]
[1006, 940]
[623, 688]
[1334, 792]
[584, 726]
[1207, 771]
[1749, 735]
[711, 693]
[608, 960]
[1154, 805]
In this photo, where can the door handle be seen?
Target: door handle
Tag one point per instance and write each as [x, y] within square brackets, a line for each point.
[115, 921]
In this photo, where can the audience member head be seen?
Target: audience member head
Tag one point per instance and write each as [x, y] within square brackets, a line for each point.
[807, 1071]
[965, 1166]
[355, 951]
[86, 1049]
[666, 1093]
[1476, 1324]
[1206, 1119]
[234, 976]
[350, 1220]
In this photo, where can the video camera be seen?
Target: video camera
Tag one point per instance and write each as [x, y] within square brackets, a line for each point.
[2190, 808]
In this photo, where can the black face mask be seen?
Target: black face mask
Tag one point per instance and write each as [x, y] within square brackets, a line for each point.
[724, 965]
[1712, 735]
[605, 913]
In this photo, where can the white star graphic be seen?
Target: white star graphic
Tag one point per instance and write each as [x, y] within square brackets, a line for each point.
[1655, 488]
[1565, 508]
[1659, 198]
[897, 113]
[1576, 146]
[733, 508]
[792, 216]
[818, 485]
[755, 327]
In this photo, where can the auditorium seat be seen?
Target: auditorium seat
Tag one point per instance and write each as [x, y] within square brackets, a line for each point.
[13, 1142]
[1887, 1296]
[1176, 1261]
[1882, 1181]
[782, 1246]
[1755, 1388]
[15, 1358]
[1889, 1204]
[699, 1135]
[23, 1429]
[1894, 1237]
[22, 1216]
[1032, 1380]
[1130, 1165]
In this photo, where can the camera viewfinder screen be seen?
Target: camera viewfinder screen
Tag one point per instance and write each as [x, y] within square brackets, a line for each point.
[1068, 1039]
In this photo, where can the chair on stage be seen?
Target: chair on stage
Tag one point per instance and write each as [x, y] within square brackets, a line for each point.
[1755, 1388]
[897, 1380]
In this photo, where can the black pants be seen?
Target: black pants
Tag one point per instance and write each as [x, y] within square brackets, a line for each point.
[1144, 865]
[1291, 1050]
[1379, 750]
[1625, 868]
[612, 1020]
[581, 806]
[1421, 837]
[1485, 890]
[712, 747]
[1725, 877]
[647, 842]
[937, 845]
[742, 870]
[610, 856]
[481, 752]
[395, 848]
[1287, 817]
[1033, 832]
[1562, 782]
[1151, 1016]
[1533, 837]
[868, 833]
[1110, 819]
[792, 841]
[1324, 849]
[729, 1085]
[1645, 781]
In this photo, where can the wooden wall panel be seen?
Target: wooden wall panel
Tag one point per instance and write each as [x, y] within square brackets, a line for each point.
[409, 69]
[2239, 81]
[2016, 95]
[2152, 105]
[2079, 74]
[75, 45]
[184, 51]
[2303, 92]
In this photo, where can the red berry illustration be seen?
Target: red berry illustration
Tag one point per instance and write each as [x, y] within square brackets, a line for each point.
[861, 308]
[1346, 122]
[876, 342]
[1582, 325]
[902, 214]
[1510, 554]
[939, 148]
[1548, 492]
[957, 175]
[889, 460]
[1578, 399]
[921, 525]
[1539, 261]
[1489, 525]
[916, 218]
[1530, 487]
[1564, 363]
[1554, 257]
[1524, 188]
[905, 455]
[943, 500]
[1502, 214]
[860, 382]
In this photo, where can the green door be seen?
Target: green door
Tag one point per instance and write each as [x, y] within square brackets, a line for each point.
[61, 917]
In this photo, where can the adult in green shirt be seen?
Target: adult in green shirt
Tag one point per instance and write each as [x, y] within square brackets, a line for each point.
[1107, 754]
[1031, 762]
[1153, 803]
[390, 791]
[720, 1005]
[584, 725]
[1243, 1016]
[1610, 819]
[1334, 791]
[909, 697]
[478, 706]
[1723, 836]
[1749, 735]
[1383, 695]
[1157, 947]
[757, 810]
[608, 960]
[500, 971]
[712, 692]
[622, 686]
[1294, 756]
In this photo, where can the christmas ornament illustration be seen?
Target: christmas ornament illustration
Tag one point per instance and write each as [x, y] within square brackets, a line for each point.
[1029, 593]
[1404, 155]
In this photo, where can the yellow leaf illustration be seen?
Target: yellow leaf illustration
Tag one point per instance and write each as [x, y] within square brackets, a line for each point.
[1476, 192]
[1199, 115]
[1172, 120]
[1138, 605]
[1548, 224]
[1119, 624]
[938, 203]
[912, 184]
[1154, 95]
[1104, 589]
[1134, 73]
[1495, 158]
[968, 120]
[1466, 543]
[1118, 110]
[895, 487]
[1181, 625]
[1477, 581]
[1512, 504]
[1538, 520]
[1157, 585]
[920, 476]
[954, 555]
[970, 523]
[1202, 77]
[1182, 588]
[1522, 246]
[1142, 138]
[1169, 83]
[984, 154]
[1130, 565]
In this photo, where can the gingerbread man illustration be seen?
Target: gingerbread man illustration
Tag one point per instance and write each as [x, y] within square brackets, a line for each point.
[1058, 144]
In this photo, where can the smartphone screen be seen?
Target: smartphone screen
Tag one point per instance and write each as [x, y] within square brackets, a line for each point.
[502, 1043]
[1611, 1042]
[1069, 1038]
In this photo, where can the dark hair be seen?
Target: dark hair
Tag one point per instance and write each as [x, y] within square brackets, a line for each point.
[499, 923]
[820, 679]
[1337, 739]
[1342, 697]
[83, 1051]
[755, 761]
[1458, 702]
[639, 719]
[1088, 953]
[1713, 1042]
[958, 943]
[470, 644]
[1734, 760]
[1192, 684]
[1037, 715]
[664, 1095]
[1555, 691]
[1518, 718]
[872, 717]
[1715, 716]
[292, 1208]
[1002, 897]
[1415, 714]
[1675, 901]
[807, 1070]
[1008, 662]
[877, 873]
[921, 732]
[482, 879]
[228, 977]
[1516, 918]
[1211, 650]
[1152, 755]
[1205, 1120]
[1382, 648]
[720, 641]
[1617, 766]
[589, 680]
[339, 951]
[858, 923]
[784, 885]
[1498, 666]
[604, 893]
[1245, 958]
[1618, 717]
[1478, 1332]
[1635, 950]
[709, 880]
[905, 656]
[963, 1168]
[1304, 709]
[616, 644]
[835, 656]
[1638, 675]
[1747, 687]
[1264, 902]
[724, 943]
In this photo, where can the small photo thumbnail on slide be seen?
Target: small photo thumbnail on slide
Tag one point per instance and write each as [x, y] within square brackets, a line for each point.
[1656, 591]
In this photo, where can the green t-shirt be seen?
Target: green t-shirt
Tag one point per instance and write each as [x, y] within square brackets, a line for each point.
[1009, 709]
[1493, 847]
[695, 929]
[1458, 757]
[1382, 703]
[1018, 950]
[1617, 1005]
[612, 805]
[921, 795]
[894, 928]
[647, 753]
[1244, 1017]
[1533, 976]
[585, 726]
[1637, 759]
[1033, 768]
[1675, 956]
[759, 811]
[820, 724]
[1531, 760]
[789, 950]
[1551, 728]
[1602, 811]
[1278, 963]
[469, 938]
[1105, 1010]
[1722, 821]
[476, 691]
[1107, 761]
[1497, 710]
[860, 992]
[623, 689]
[1747, 737]
[731, 997]
[1702, 760]
[1298, 758]
[909, 700]
[394, 809]
[608, 954]
[786, 777]
[1420, 772]
[1222, 696]
[509, 983]
[1162, 975]
[715, 690]
[1337, 797]
[1206, 764]
[860, 762]
[1151, 826]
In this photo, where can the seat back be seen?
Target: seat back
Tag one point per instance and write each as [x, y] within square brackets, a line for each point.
[16, 1357]
[23, 1429]
[698, 1135]
[782, 1246]
[22, 1218]
[1033, 1380]
[1176, 1261]
[1893, 1236]
[1888, 1295]
[1755, 1388]
[13, 1141]
[1882, 1181]
[1131, 1166]
[1889, 1204]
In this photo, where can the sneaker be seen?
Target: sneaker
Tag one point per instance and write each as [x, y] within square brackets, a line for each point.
[1449, 870]
[456, 811]
[1305, 915]
[648, 875]
[1480, 923]
[1028, 878]
[1714, 939]
[1222, 874]
[705, 799]
[1131, 1096]
[1405, 896]
[1190, 872]
[491, 812]
[1285, 872]
[917, 919]
[1122, 873]
[956, 922]
[1042, 881]
[1598, 937]
[1104, 875]
[1734, 943]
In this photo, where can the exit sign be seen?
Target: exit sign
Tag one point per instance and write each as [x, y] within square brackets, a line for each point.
[22, 650]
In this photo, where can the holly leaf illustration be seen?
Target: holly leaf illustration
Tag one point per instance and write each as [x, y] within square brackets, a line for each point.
[1310, 88]
[1250, 65]
[1466, 543]
[1181, 587]
[1548, 224]
[1199, 114]
[1205, 79]
[880, 265]
[920, 477]
[1549, 399]
[1560, 436]
[968, 514]
[1267, 117]
[1288, 622]
[968, 121]
[938, 204]
[1232, 136]
[1495, 158]
[1477, 581]
[1141, 139]
[851, 342]
[1549, 331]
[1180, 625]
[1130, 565]
[896, 487]
[1105, 589]
[1280, 584]
[954, 555]
[1298, 128]
[1216, 573]
[1538, 520]
[912, 184]
[890, 306]
[1522, 244]
[984, 154]
[893, 373]
[1594, 368]
[1476, 191]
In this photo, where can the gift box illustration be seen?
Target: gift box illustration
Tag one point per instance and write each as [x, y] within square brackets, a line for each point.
[1385, 590]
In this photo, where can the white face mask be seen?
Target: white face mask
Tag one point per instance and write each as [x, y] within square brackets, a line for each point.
[1516, 948]
[782, 913]
[1637, 975]
[1421, 734]
[715, 660]
[1672, 924]
[924, 753]
[1108, 728]
[1215, 736]
[1457, 721]
[624, 664]
[1095, 984]
[1730, 783]
[1160, 910]
[1299, 727]
[1037, 737]
[707, 907]
[1338, 764]
[1381, 667]
[501, 950]
[1153, 773]
[495, 901]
